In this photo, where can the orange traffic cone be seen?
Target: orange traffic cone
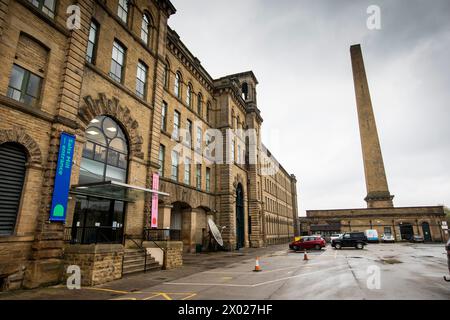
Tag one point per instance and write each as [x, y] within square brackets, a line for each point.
[305, 257]
[257, 267]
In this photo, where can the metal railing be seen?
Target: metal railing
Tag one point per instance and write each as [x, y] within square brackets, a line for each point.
[162, 235]
[93, 235]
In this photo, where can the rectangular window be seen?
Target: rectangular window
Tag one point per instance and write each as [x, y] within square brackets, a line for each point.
[122, 10]
[198, 142]
[161, 158]
[174, 170]
[46, 6]
[24, 86]
[187, 171]
[141, 79]
[176, 125]
[92, 42]
[208, 179]
[189, 133]
[164, 116]
[117, 62]
[198, 176]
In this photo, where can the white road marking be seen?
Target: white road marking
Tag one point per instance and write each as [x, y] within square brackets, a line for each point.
[249, 285]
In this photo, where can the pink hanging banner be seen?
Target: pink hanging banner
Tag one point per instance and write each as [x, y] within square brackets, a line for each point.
[155, 201]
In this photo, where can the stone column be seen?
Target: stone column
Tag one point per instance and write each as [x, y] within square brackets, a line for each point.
[378, 195]
[189, 223]
[164, 213]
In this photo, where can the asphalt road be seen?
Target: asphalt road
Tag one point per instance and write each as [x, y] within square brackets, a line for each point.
[380, 271]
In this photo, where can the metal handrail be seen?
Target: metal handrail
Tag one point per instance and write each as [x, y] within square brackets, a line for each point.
[140, 246]
[162, 234]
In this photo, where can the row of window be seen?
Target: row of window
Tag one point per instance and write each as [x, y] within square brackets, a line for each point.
[273, 206]
[174, 171]
[177, 90]
[118, 58]
[277, 226]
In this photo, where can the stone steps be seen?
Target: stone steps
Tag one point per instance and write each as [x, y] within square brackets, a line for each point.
[134, 260]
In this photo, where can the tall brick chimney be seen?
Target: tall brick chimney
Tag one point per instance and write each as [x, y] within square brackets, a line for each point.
[378, 195]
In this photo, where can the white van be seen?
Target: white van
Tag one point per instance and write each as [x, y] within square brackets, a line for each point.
[372, 235]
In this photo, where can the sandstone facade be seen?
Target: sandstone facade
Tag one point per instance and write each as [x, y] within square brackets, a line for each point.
[78, 86]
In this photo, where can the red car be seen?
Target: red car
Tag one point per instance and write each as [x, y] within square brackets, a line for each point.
[308, 242]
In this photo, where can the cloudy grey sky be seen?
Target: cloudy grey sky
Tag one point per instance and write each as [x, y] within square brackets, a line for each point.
[299, 51]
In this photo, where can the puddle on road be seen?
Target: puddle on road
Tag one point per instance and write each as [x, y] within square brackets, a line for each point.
[390, 261]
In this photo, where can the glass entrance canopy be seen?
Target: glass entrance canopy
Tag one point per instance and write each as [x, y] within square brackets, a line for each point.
[114, 190]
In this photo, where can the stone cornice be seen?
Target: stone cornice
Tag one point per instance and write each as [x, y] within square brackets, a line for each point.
[177, 48]
[167, 7]
[228, 86]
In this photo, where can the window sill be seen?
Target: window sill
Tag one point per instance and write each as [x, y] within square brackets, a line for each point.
[45, 17]
[34, 111]
[118, 85]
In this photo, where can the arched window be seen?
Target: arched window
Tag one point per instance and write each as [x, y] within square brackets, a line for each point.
[199, 104]
[189, 95]
[146, 29]
[245, 91]
[105, 153]
[13, 159]
[177, 85]
[208, 112]
[166, 74]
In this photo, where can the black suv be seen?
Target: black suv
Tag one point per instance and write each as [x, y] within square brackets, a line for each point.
[350, 239]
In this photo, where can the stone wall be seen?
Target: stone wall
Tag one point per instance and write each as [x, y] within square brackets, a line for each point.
[173, 252]
[99, 263]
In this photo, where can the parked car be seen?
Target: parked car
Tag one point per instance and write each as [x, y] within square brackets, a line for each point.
[417, 239]
[308, 242]
[372, 235]
[335, 236]
[387, 238]
[350, 239]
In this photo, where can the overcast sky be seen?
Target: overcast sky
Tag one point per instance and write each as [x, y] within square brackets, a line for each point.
[299, 51]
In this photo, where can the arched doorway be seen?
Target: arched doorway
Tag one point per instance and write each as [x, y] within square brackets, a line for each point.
[240, 223]
[426, 231]
[105, 158]
[406, 231]
[13, 159]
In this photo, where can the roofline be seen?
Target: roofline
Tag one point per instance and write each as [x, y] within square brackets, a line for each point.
[291, 176]
[249, 72]
[375, 209]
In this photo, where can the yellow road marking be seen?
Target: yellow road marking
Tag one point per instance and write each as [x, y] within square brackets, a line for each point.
[166, 296]
[110, 290]
[153, 296]
[188, 297]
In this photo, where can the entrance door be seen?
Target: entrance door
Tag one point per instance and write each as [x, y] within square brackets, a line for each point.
[406, 231]
[426, 231]
[98, 221]
[240, 224]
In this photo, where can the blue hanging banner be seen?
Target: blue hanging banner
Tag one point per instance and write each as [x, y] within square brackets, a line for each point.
[62, 178]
